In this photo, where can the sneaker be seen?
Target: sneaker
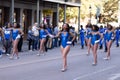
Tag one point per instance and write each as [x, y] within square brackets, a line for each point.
[8, 54]
[38, 54]
[16, 57]
[42, 53]
[33, 49]
[94, 64]
[107, 58]
[30, 50]
[64, 69]
[11, 57]
[88, 54]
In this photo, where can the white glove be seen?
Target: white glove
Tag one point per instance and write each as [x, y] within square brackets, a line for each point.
[69, 42]
[51, 36]
[97, 41]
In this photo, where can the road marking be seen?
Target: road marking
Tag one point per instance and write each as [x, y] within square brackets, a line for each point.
[34, 61]
[115, 76]
[90, 74]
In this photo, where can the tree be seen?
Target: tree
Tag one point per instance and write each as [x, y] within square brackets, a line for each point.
[61, 14]
[95, 5]
[47, 12]
[110, 8]
[71, 12]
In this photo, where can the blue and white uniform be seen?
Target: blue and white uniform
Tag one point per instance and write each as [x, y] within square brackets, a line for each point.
[7, 34]
[101, 30]
[117, 33]
[64, 39]
[82, 38]
[49, 30]
[7, 40]
[42, 34]
[109, 36]
[104, 35]
[95, 38]
[15, 34]
[88, 34]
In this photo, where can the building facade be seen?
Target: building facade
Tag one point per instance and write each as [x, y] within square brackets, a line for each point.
[27, 12]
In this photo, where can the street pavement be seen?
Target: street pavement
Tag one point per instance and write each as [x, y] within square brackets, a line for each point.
[48, 67]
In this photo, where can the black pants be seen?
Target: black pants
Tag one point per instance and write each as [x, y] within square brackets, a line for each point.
[7, 46]
[30, 44]
[20, 43]
[46, 49]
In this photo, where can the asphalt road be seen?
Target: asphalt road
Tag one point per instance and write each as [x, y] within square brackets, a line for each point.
[48, 67]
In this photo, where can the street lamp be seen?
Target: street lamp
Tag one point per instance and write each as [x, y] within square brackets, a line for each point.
[90, 8]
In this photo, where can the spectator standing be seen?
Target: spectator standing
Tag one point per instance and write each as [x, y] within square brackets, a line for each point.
[7, 42]
[30, 38]
[56, 30]
[20, 43]
[1, 37]
[49, 43]
[35, 36]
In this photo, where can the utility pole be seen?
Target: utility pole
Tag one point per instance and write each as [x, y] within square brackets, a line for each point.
[38, 12]
[90, 8]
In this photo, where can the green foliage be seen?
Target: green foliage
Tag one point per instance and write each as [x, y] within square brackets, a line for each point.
[47, 12]
[61, 14]
[71, 12]
[110, 8]
[85, 4]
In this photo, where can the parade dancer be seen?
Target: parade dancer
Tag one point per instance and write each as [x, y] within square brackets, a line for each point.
[104, 35]
[43, 33]
[8, 39]
[117, 34]
[65, 44]
[88, 37]
[82, 38]
[109, 40]
[42, 37]
[101, 30]
[16, 32]
[95, 38]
